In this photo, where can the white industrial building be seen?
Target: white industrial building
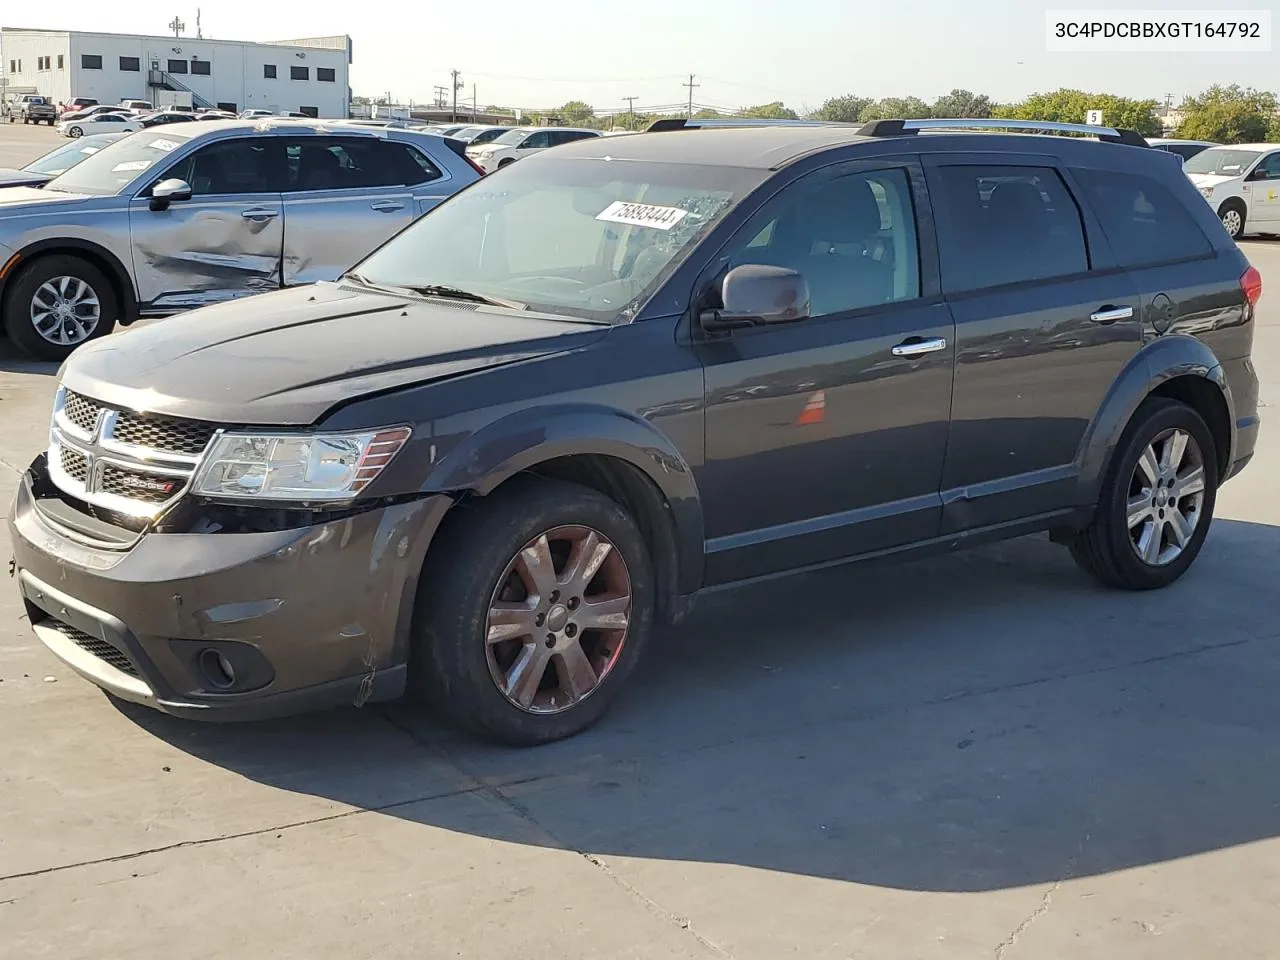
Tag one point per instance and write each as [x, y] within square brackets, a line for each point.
[310, 75]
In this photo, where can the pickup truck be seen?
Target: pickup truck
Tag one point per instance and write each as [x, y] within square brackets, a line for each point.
[31, 108]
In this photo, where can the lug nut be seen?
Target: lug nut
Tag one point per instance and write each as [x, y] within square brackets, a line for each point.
[555, 596]
[571, 630]
[540, 619]
[551, 639]
[573, 603]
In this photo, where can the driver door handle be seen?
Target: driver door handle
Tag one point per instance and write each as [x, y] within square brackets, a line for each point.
[388, 206]
[918, 346]
[258, 213]
[1110, 314]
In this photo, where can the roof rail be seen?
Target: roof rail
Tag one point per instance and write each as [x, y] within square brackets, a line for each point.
[900, 128]
[680, 123]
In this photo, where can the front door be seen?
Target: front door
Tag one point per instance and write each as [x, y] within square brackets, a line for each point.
[1045, 322]
[825, 437]
[224, 242]
[344, 197]
[1264, 191]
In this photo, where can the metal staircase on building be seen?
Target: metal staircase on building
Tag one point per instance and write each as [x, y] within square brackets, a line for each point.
[160, 80]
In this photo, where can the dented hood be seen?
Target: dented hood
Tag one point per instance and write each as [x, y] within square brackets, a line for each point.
[287, 358]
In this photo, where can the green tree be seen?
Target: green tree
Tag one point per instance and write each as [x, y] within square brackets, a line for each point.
[575, 113]
[962, 103]
[768, 111]
[1072, 106]
[1231, 114]
[707, 114]
[846, 109]
[896, 108]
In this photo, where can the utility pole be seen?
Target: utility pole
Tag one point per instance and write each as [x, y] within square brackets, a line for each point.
[457, 85]
[691, 85]
[474, 105]
[631, 112]
[177, 26]
[442, 97]
[199, 32]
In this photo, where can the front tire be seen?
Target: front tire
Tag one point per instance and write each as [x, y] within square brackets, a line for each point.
[56, 304]
[1157, 500]
[533, 610]
[1233, 215]
[75, 133]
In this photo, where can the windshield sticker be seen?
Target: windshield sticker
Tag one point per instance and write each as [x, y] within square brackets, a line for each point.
[642, 215]
[90, 151]
[131, 165]
[162, 144]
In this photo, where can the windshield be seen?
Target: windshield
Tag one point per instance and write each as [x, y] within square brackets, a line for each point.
[582, 238]
[66, 157]
[486, 136]
[1221, 162]
[116, 166]
[511, 138]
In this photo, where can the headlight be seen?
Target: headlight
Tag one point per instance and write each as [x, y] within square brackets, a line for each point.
[300, 466]
[1206, 191]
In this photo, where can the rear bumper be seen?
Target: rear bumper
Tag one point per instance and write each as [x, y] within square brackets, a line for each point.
[1242, 385]
[308, 618]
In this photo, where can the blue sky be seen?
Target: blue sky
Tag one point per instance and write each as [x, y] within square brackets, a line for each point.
[800, 51]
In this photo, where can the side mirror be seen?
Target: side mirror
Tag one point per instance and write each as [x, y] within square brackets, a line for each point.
[169, 191]
[755, 294]
[1260, 173]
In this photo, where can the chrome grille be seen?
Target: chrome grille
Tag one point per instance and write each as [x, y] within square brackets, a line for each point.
[163, 433]
[94, 645]
[81, 411]
[74, 465]
[126, 461]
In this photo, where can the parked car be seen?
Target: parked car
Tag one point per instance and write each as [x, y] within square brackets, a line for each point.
[39, 172]
[488, 461]
[137, 106]
[519, 142]
[99, 123]
[1186, 149]
[163, 118]
[477, 135]
[90, 112]
[30, 108]
[1242, 183]
[215, 115]
[76, 104]
[187, 215]
[255, 114]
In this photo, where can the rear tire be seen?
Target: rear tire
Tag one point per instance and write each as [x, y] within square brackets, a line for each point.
[1157, 500]
[32, 287]
[519, 663]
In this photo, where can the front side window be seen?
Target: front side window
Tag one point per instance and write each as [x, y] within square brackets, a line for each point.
[1269, 168]
[580, 240]
[230, 167]
[1142, 219]
[116, 166]
[542, 138]
[852, 237]
[90, 61]
[1006, 225]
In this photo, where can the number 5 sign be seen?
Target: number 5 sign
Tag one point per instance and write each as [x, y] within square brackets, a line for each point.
[1093, 118]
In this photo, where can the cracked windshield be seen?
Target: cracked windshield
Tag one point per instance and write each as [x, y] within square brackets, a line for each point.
[682, 482]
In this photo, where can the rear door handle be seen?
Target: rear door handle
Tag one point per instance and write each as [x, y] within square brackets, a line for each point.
[257, 214]
[916, 347]
[388, 206]
[1110, 314]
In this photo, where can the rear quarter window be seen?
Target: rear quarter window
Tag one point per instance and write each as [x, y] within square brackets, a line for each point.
[1142, 218]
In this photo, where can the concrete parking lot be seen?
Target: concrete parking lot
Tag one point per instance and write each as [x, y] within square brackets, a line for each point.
[976, 756]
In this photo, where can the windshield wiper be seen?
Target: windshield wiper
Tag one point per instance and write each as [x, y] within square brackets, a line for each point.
[454, 293]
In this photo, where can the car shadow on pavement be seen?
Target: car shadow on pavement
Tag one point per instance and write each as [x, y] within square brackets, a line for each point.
[977, 721]
[13, 360]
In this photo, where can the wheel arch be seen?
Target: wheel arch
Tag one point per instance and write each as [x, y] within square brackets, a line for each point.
[612, 451]
[100, 257]
[1178, 367]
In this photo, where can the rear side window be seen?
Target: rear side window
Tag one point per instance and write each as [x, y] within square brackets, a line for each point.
[1006, 225]
[1142, 218]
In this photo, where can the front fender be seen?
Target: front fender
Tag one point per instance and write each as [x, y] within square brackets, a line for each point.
[521, 441]
[1158, 362]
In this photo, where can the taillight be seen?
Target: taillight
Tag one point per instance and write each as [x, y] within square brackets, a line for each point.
[1251, 284]
[475, 166]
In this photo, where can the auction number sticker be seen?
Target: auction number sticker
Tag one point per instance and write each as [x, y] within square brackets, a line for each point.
[165, 145]
[131, 165]
[642, 215]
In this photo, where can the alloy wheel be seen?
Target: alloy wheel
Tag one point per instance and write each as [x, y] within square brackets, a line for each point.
[1231, 220]
[65, 310]
[1166, 497]
[558, 619]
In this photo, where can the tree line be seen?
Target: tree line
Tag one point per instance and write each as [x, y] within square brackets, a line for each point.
[1222, 114]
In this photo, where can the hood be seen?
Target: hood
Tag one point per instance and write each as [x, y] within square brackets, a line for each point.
[1210, 179]
[22, 178]
[15, 199]
[289, 357]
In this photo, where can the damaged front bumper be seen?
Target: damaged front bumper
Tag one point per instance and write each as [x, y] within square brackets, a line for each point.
[231, 626]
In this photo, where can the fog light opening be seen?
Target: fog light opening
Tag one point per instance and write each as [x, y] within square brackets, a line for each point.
[217, 669]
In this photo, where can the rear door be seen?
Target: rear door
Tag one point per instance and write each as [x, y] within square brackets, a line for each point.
[224, 242]
[1045, 321]
[344, 196]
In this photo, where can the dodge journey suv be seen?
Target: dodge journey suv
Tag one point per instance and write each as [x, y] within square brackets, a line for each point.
[484, 465]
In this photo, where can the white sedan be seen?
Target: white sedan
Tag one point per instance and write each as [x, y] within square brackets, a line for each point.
[99, 123]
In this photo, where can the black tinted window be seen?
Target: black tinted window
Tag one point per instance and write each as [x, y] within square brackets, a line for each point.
[90, 61]
[1271, 166]
[1005, 225]
[330, 163]
[233, 166]
[201, 68]
[853, 238]
[1186, 150]
[177, 66]
[325, 74]
[130, 64]
[1142, 218]
[299, 73]
[269, 71]
[418, 168]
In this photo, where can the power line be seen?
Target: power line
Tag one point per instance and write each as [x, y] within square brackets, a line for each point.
[691, 85]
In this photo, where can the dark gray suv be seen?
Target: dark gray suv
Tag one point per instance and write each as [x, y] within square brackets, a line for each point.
[485, 464]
